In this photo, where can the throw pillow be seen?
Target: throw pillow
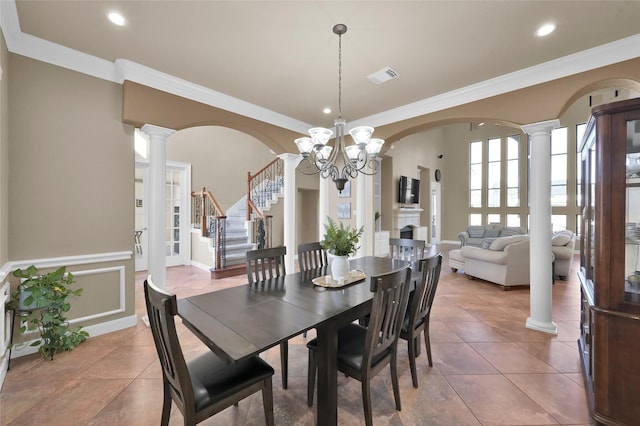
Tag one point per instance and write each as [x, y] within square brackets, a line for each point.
[507, 232]
[500, 243]
[475, 231]
[492, 233]
[561, 238]
[486, 243]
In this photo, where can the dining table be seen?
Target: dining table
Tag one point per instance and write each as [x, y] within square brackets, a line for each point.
[240, 322]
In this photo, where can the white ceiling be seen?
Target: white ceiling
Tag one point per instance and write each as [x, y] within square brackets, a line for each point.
[282, 56]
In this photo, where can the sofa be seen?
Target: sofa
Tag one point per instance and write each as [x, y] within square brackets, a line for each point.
[562, 245]
[505, 261]
[476, 236]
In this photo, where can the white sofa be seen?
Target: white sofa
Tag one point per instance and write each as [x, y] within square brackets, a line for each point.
[504, 262]
[477, 235]
[562, 245]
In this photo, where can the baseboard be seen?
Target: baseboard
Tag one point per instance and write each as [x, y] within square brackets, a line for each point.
[24, 348]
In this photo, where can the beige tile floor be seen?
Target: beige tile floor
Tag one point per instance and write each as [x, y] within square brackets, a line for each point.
[488, 369]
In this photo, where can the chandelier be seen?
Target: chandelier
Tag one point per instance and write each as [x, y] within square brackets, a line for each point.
[318, 157]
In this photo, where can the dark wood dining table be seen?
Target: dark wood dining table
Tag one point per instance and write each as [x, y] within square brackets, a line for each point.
[240, 322]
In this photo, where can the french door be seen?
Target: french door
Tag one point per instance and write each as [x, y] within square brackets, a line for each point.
[178, 204]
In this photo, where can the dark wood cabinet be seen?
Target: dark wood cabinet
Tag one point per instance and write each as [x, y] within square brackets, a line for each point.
[609, 273]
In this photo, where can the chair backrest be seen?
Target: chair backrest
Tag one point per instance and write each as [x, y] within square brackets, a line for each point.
[162, 308]
[264, 264]
[406, 249]
[387, 312]
[425, 290]
[311, 256]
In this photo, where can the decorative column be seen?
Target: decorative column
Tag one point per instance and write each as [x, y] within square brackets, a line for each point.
[364, 214]
[291, 161]
[156, 202]
[540, 254]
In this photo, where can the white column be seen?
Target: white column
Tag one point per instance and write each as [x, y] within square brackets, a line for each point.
[323, 205]
[365, 214]
[156, 199]
[540, 255]
[290, 163]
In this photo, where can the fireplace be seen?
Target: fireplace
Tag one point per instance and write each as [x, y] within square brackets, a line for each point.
[407, 232]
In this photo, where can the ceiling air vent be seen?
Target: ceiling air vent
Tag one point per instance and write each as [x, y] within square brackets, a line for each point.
[385, 74]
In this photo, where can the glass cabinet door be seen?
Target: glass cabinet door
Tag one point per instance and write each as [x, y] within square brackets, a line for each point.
[632, 213]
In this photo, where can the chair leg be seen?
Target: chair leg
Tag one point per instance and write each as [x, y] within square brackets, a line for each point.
[267, 401]
[366, 401]
[311, 378]
[427, 342]
[166, 405]
[284, 362]
[394, 380]
[411, 343]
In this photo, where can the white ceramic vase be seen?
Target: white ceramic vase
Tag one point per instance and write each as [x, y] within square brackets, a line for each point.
[340, 267]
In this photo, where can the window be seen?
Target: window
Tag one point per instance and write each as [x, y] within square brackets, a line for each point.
[475, 174]
[493, 173]
[494, 218]
[559, 167]
[513, 220]
[513, 172]
[475, 219]
[580, 128]
[558, 222]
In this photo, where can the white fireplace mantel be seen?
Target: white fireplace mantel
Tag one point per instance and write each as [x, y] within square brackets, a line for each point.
[406, 217]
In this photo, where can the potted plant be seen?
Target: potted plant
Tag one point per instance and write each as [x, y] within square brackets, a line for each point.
[341, 242]
[44, 300]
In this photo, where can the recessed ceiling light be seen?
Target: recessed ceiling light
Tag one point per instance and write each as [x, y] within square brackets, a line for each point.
[545, 30]
[117, 18]
[327, 110]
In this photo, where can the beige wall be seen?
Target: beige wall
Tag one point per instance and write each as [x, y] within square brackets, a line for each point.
[4, 153]
[71, 179]
[220, 159]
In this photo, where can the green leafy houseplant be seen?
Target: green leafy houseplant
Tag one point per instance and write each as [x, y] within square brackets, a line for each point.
[47, 303]
[340, 240]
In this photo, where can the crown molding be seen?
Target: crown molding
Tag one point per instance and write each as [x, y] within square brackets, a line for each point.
[123, 69]
[586, 60]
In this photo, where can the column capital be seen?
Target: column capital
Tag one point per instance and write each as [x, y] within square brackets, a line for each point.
[543, 127]
[291, 158]
[153, 130]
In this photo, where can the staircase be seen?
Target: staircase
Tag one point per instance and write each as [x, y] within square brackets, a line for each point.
[238, 238]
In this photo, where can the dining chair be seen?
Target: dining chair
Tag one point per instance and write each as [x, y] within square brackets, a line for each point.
[311, 256]
[206, 385]
[264, 265]
[406, 249]
[364, 351]
[419, 310]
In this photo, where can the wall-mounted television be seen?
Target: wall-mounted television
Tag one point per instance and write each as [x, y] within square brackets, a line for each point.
[408, 190]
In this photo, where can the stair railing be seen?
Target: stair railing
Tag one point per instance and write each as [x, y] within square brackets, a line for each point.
[210, 219]
[261, 188]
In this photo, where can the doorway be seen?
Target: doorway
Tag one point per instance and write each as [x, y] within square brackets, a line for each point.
[178, 203]
[435, 212]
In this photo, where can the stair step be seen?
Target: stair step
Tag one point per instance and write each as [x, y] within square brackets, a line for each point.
[229, 271]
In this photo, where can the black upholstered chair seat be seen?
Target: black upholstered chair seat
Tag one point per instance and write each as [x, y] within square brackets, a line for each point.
[213, 380]
[351, 344]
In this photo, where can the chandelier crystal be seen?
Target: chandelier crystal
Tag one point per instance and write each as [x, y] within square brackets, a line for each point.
[318, 157]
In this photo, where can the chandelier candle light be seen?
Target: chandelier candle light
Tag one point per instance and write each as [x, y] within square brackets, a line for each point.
[318, 157]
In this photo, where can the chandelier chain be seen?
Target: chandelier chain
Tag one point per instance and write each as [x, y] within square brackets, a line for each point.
[339, 75]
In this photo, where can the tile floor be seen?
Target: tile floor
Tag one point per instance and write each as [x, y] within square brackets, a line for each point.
[488, 369]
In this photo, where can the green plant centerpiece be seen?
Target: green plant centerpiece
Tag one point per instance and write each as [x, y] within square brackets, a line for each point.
[44, 298]
[341, 242]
